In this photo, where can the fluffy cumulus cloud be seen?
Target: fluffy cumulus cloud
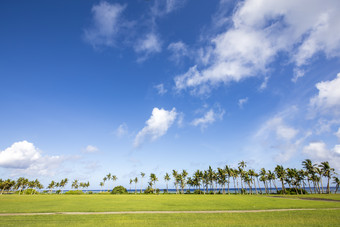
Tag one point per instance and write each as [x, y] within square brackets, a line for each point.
[208, 118]
[319, 152]
[107, 22]
[328, 98]
[156, 126]
[259, 32]
[91, 149]
[24, 157]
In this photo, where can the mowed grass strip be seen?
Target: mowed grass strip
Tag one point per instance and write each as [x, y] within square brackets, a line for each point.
[286, 218]
[335, 197]
[101, 203]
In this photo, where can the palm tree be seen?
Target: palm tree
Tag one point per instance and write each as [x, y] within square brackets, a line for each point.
[153, 180]
[101, 185]
[233, 175]
[321, 173]
[258, 182]
[205, 179]
[241, 166]
[183, 179]
[263, 178]
[228, 172]
[167, 179]
[210, 176]
[327, 172]
[51, 186]
[31, 185]
[75, 184]
[21, 184]
[336, 182]
[114, 178]
[175, 175]
[281, 174]
[63, 184]
[108, 176]
[130, 184]
[142, 175]
[221, 173]
[104, 179]
[252, 174]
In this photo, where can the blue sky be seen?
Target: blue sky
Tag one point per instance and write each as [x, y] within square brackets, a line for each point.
[92, 87]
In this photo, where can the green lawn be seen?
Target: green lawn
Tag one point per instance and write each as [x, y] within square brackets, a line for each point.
[314, 196]
[289, 218]
[69, 203]
[88, 203]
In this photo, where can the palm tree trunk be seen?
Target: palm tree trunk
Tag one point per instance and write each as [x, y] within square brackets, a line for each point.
[309, 187]
[328, 189]
[275, 187]
[254, 182]
[228, 185]
[258, 182]
[321, 184]
[283, 187]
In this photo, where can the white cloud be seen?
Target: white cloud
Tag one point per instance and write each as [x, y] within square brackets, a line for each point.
[91, 149]
[328, 98]
[180, 119]
[163, 7]
[209, 117]
[122, 130]
[179, 50]
[107, 22]
[241, 102]
[336, 149]
[318, 151]
[160, 89]
[158, 124]
[264, 83]
[277, 126]
[260, 31]
[147, 45]
[338, 133]
[23, 157]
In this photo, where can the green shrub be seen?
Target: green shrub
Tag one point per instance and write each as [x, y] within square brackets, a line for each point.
[75, 192]
[292, 191]
[28, 191]
[149, 190]
[198, 192]
[119, 190]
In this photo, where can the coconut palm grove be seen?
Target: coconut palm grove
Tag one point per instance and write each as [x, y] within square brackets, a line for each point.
[169, 113]
[243, 181]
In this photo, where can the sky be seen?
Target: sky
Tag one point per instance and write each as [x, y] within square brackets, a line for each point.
[89, 88]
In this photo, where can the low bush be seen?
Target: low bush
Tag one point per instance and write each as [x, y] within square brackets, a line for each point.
[74, 192]
[119, 190]
[198, 192]
[292, 191]
[27, 192]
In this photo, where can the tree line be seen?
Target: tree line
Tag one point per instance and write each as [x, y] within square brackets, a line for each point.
[213, 181]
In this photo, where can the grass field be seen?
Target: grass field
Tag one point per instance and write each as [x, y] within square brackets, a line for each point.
[100, 203]
[314, 196]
